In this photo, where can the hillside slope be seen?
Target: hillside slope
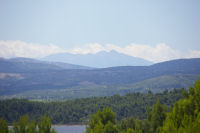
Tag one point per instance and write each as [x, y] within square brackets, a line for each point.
[107, 81]
[30, 65]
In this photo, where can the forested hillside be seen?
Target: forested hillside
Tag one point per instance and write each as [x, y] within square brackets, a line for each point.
[184, 117]
[80, 110]
[159, 117]
[38, 80]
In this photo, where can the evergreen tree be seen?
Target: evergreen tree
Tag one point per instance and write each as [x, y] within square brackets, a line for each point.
[3, 126]
[103, 122]
[44, 125]
[21, 125]
[158, 115]
[110, 128]
[185, 115]
[24, 125]
[32, 127]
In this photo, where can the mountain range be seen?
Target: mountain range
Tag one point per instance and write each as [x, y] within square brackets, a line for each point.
[99, 60]
[28, 64]
[35, 79]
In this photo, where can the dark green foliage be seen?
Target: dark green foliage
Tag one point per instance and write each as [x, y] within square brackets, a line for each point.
[79, 110]
[102, 122]
[24, 125]
[130, 125]
[44, 125]
[110, 128]
[32, 127]
[158, 115]
[185, 115]
[3, 126]
[21, 125]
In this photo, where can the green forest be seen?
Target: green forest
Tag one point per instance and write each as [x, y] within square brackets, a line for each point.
[78, 111]
[184, 117]
[177, 111]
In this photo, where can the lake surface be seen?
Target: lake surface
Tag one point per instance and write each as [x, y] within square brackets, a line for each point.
[70, 128]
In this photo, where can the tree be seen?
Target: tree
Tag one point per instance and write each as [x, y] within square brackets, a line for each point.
[126, 124]
[102, 121]
[130, 130]
[131, 125]
[3, 126]
[110, 128]
[32, 127]
[44, 125]
[21, 125]
[24, 125]
[158, 115]
[185, 115]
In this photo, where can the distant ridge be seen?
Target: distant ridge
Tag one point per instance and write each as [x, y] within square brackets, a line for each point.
[99, 60]
[38, 79]
[27, 65]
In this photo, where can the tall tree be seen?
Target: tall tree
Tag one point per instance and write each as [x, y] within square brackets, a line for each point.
[3, 126]
[185, 115]
[103, 121]
[21, 125]
[44, 125]
[158, 115]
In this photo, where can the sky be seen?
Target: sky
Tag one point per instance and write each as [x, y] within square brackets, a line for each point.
[155, 30]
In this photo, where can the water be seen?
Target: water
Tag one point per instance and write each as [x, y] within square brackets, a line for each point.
[70, 129]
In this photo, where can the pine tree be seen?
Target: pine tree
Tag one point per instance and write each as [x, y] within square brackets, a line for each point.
[185, 115]
[3, 126]
[102, 122]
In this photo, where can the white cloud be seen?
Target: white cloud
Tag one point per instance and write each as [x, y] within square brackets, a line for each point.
[193, 54]
[158, 53]
[161, 52]
[30, 50]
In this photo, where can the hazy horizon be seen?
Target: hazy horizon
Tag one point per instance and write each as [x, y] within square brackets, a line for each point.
[152, 30]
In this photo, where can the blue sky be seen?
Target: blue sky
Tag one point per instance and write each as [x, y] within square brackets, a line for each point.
[78, 25]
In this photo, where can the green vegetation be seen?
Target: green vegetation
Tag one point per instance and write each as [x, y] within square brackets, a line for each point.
[102, 122]
[79, 110]
[3, 126]
[161, 117]
[184, 117]
[25, 125]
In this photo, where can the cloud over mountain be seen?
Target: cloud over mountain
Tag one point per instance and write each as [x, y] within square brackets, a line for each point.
[161, 52]
[158, 53]
[30, 50]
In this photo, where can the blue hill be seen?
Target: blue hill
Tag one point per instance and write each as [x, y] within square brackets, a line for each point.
[99, 60]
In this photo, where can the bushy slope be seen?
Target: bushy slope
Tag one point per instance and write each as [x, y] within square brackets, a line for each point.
[79, 110]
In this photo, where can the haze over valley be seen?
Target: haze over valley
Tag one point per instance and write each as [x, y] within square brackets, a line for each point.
[36, 79]
[109, 66]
